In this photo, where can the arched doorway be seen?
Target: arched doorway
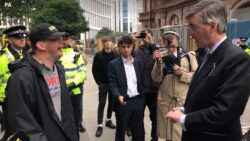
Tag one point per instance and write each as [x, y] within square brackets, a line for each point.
[240, 11]
[174, 20]
[240, 5]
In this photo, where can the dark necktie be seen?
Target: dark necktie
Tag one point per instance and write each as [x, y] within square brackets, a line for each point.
[204, 61]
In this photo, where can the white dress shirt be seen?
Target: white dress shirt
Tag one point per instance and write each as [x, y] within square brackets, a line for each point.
[132, 90]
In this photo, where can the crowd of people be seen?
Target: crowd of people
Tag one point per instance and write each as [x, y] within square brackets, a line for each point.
[191, 96]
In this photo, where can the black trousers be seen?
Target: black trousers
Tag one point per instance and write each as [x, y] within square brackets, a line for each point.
[131, 113]
[78, 106]
[103, 92]
[151, 103]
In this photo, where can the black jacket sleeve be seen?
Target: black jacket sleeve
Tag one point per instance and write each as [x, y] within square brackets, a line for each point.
[113, 80]
[21, 107]
[96, 68]
[228, 102]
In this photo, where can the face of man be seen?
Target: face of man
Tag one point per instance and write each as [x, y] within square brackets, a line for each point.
[17, 42]
[126, 50]
[199, 31]
[148, 39]
[65, 42]
[173, 46]
[242, 42]
[107, 44]
[54, 48]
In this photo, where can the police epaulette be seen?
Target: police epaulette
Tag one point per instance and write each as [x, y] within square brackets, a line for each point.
[2, 52]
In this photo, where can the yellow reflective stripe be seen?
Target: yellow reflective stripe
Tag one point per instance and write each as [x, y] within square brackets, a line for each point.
[8, 56]
[5, 80]
[70, 77]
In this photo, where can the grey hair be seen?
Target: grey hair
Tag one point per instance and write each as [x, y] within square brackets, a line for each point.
[211, 10]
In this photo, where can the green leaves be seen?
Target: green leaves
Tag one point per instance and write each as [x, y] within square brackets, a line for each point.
[62, 14]
[104, 31]
[18, 8]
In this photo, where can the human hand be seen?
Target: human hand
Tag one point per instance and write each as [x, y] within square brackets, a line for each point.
[178, 70]
[175, 115]
[157, 56]
[121, 100]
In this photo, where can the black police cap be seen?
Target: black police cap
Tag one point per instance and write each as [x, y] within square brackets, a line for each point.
[244, 39]
[15, 31]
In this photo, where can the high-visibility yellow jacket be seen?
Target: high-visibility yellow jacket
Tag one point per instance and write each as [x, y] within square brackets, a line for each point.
[75, 69]
[6, 57]
[247, 50]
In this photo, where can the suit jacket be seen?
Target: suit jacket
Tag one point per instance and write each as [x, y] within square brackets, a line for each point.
[217, 96]
[118, 80]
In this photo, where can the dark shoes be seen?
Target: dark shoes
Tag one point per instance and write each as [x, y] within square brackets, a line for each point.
[110, 124]
[81, 128]
[98, 131]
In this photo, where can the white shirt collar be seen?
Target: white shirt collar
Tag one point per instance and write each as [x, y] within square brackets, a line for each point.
[211, 51]
[18, 51]
[175, 54]
[125, 61]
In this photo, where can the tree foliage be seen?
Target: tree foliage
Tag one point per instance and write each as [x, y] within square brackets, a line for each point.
[104, 31]
[62, 14]
[18, 8]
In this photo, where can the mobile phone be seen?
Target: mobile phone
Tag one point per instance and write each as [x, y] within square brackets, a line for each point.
[142, 35]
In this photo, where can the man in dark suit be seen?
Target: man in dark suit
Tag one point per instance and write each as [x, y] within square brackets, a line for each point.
[125, 82]
[220, 87]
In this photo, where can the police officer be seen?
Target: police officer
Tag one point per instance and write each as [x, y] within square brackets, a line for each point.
[242, 44]
[75, 73]
[16, 38]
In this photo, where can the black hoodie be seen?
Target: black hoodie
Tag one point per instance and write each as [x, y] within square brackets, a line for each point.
[29, 106]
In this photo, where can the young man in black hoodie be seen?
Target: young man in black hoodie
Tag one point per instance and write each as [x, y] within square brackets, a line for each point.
[100, 72]
[38, 102]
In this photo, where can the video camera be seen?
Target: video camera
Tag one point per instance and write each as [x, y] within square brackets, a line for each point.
[170, 60]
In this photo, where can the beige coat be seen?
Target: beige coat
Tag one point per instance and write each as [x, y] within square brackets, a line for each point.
[172, 93]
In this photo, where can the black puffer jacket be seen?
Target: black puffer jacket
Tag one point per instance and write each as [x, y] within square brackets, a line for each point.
[29, 106]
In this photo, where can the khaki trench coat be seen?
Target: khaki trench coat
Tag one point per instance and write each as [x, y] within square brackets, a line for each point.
[172, 93]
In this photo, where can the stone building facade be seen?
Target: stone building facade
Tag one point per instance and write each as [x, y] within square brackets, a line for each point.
[159, 13]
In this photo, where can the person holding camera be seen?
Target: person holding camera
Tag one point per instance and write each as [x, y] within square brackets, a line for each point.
[145, 54]
[174, 69]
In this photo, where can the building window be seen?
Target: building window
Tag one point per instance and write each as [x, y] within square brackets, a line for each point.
[159, 22]
[125, 24]
[147, 5]
[125, 8]
[174, 20]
